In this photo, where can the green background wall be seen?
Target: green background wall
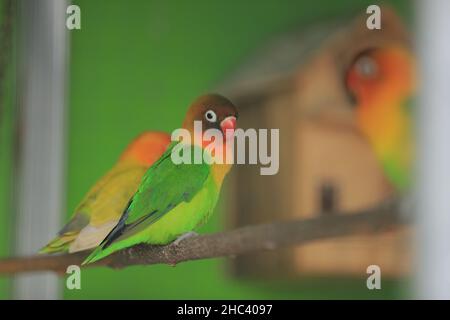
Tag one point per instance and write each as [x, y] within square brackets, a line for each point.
[7, 99]
[136, 65]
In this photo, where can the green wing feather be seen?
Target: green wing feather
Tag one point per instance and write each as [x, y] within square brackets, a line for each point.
[164, 186]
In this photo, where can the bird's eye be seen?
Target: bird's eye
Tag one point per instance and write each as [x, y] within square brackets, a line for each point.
[211, 116]
[366, 67]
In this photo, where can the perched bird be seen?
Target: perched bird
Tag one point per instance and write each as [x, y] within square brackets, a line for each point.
[382, 81]
[101, 208]
[174, 199]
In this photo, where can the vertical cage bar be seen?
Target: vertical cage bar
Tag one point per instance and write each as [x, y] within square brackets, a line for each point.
[43, 42]
[433, 237]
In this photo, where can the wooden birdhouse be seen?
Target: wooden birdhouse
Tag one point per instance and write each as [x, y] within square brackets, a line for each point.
[297, 84]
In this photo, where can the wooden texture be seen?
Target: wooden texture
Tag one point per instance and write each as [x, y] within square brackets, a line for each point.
[226, 244]
[302, 92]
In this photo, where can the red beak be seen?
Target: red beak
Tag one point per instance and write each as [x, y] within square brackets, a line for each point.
[229, 123]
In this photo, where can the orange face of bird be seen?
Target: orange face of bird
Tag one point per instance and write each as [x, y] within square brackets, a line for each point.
[213, 112]
[146, 148]
[382, 81]
[381, 73]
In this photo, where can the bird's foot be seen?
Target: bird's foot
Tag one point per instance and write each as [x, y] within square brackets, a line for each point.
[184, 237]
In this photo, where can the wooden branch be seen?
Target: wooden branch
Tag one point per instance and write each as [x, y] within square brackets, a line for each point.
[226, 244]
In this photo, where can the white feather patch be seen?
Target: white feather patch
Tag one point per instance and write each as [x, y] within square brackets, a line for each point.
[90, 237]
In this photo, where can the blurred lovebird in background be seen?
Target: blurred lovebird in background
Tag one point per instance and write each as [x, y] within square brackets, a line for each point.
[383, 84]
[102, 207]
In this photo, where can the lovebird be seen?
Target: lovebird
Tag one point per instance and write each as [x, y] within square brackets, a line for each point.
[174, 199]
[383, 82]
[102, 207]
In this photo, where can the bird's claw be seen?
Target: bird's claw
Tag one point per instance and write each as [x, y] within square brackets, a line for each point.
[184, 237]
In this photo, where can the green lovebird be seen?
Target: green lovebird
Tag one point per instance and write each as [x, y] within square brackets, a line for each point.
[174, 199]
[101, 208]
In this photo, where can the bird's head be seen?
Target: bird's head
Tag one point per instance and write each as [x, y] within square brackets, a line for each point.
[214, 112]
[146, 148]
[381, 82]
[381, 73]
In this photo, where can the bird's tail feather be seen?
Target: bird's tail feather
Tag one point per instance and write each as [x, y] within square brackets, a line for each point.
[104, 248]
[108, 246]
[94, 256]
[59, 244]
[103, 251]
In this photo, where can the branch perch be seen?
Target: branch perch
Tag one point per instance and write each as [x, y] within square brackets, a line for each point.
[226, 244]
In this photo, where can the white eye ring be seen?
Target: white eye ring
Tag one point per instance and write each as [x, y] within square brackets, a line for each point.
[367, 67]
[211, 116]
